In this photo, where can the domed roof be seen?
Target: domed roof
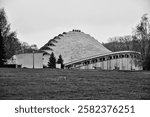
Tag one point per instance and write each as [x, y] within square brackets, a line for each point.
[74, 45]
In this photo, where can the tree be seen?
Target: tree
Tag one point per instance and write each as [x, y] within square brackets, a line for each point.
[142, 35]
[11, 43]
[26, 48]
[146, 62]
[2, 51]
[52, 61]
[3, 22]
[60, 61]
[120, 43]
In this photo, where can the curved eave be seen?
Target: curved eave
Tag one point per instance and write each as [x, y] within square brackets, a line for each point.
[101, 55]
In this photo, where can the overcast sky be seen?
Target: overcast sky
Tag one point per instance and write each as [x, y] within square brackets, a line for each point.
[37, 21]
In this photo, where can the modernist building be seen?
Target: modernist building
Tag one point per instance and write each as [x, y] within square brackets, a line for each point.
[122, 60]
[80, 51]
[30, 60]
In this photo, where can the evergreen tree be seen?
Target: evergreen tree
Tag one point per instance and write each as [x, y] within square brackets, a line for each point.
[52, 61]
[2, 51]
[60, 61]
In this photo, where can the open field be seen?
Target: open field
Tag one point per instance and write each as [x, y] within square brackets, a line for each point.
[73, 84]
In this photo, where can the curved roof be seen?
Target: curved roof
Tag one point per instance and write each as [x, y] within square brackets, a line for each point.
[102, 55]
[74, 45]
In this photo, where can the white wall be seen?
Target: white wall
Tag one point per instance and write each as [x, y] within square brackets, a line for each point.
[26, 60]
[122, 63]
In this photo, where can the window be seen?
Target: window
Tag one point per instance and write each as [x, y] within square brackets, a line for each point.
[127, 56]
[94, 60]
[120, 56]
[100, 59]
[110, 57]
[135, 56]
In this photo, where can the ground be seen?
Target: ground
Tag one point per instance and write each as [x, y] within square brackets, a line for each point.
[50, 84]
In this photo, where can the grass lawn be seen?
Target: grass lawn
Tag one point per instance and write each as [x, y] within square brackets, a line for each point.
[49, 84]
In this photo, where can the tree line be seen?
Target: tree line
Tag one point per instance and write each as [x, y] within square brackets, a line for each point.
[138, 41]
